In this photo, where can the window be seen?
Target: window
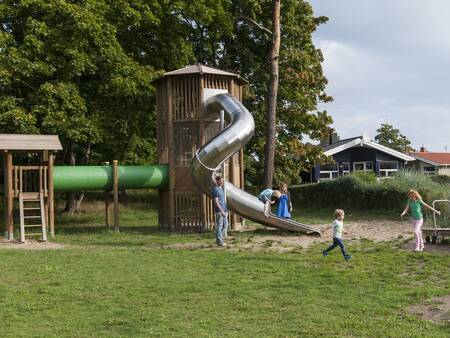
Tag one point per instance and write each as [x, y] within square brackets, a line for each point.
[186, 137]
[329, 172]
[363, 166]
[388, 168]
[345, 168]
[429, 170]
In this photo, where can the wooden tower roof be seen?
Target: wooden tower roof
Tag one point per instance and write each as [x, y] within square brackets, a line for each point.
[29, 142]
[201, 69]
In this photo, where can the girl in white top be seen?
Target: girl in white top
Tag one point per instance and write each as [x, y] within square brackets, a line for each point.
[338, 229]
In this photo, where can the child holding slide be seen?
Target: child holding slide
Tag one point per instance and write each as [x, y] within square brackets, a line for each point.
[414, 205]
[338, 228]
[266, 197]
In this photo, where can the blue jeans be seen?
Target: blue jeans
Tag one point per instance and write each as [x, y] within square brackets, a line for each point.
[221, 228]
[337, 242]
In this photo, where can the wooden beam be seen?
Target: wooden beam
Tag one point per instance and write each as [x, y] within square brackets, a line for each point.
[116, 194]
[9, 226]
[51, 200]
[171, 155]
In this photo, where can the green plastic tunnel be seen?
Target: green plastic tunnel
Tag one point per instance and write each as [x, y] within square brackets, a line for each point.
[79, 178]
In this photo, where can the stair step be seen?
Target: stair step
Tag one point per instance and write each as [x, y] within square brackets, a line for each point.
[33, 234]
[36, 216]
[32, 225]
[30, 200]
[31, 208]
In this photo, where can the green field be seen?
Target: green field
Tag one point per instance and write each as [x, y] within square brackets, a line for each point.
[139, 284]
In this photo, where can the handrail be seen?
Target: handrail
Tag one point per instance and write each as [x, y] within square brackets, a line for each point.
[434, 214]
[24, 180]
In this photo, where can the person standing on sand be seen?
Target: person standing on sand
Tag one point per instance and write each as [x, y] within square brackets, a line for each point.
[220, 210]
[284, 205]
[414, 205]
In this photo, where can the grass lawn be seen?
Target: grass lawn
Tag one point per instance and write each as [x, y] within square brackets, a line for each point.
[130, 284]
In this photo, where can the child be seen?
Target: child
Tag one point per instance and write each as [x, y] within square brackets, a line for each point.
[284, 206]
[415, 206]
[338, 228]
[266, 197]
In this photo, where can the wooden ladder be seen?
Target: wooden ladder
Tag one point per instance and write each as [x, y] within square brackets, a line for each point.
[28, 203]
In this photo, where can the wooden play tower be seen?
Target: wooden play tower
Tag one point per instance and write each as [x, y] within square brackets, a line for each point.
[182, 129]
[31, 185]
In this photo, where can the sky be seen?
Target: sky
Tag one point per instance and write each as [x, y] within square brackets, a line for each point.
[388, 61]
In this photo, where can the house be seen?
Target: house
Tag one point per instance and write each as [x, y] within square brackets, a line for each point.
[358, 154]
[431, 163]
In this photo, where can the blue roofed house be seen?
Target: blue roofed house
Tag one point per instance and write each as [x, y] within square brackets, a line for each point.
[358, 154]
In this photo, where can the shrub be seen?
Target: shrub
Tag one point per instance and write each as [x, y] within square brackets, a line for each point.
[367, 177]
[442, 179]
[364, 193]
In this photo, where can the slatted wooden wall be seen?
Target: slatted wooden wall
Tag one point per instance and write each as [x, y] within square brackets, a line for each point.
[183, 128]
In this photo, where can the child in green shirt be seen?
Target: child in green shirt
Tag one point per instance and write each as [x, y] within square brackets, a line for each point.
[414, 205]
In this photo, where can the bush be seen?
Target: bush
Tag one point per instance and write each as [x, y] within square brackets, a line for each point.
[364, 193]
[441, 179]
[367, 177]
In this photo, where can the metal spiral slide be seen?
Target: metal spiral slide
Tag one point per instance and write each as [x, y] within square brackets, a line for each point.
[222, 147]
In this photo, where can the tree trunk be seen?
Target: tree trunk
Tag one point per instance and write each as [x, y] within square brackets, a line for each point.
[74, 200]
[269, 157]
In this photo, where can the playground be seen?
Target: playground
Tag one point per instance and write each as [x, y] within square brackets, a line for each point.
[144, 263]
[145, 281]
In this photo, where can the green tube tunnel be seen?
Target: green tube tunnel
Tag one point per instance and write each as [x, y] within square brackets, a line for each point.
[79, 178]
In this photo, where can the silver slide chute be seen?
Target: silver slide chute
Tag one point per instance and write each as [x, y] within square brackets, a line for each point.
[220, 148]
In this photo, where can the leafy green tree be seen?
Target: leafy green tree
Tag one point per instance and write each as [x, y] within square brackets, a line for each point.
[64, 71]
[392, 138]
[301, 88]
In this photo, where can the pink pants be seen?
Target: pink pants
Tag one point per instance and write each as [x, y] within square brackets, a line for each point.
[417, 223]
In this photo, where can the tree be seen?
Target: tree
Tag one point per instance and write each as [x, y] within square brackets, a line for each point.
[274, 53]
[301, 86]
[64, 71]
[392, 138]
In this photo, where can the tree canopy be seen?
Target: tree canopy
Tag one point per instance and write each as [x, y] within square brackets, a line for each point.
[82, 69]
[392, 138]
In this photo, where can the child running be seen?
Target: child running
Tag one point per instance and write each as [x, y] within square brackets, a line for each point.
[266, 197]
[415, 206]
[338, 228]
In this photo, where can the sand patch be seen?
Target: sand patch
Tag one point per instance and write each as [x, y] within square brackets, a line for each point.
[30, 245]
[437, 310]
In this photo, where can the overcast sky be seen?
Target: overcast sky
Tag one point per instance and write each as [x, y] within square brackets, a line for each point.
[388, 61]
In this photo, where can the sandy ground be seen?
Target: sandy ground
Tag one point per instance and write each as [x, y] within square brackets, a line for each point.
[260, 238]
[437, 310]
[29, 245]
[254, 238]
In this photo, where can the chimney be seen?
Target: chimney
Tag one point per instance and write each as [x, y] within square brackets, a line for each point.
[422, 149]
[334, 137]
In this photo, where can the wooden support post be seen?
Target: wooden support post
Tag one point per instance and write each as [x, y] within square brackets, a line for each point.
[9, 227]
[51, 200]
[116, 194]
[43, 185]
[171, 155]
[107, 218]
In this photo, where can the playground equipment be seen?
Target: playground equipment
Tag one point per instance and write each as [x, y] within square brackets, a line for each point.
[210, 157]
[182, 173]
[432, 234]
[29, 184]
